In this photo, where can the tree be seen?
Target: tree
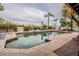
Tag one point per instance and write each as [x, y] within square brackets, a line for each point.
[62, 21]
[1, 20]
[1, 7]
[44, 26]
[48, 16]
[2, 23]
[64, 14]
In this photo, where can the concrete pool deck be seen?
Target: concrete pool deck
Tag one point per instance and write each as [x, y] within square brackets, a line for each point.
[64, 44]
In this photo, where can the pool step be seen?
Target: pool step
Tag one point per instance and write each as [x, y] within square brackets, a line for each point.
[9, 37]
[2, 43]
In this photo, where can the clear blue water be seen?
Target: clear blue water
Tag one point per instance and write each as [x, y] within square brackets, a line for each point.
[2, 37]
[30, 39]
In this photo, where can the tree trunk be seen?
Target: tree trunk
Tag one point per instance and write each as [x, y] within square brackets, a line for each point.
[65, 22]
[48, 23]
[42, 25]
[71, 24]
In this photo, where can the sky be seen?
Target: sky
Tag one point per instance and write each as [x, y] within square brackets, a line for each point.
[31, 13]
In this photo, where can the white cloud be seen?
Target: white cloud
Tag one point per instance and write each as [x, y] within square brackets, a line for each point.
[34, 13]
[24, 13]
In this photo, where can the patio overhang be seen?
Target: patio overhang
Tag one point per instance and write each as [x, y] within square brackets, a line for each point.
[73, 8]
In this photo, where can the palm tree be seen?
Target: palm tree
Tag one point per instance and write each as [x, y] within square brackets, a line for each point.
[1, 7]
[48, 16]
[65, 13]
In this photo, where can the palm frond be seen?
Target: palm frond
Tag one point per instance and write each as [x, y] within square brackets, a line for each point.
[48, 14]
[45, 15]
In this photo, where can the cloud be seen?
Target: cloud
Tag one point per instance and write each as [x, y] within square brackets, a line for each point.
[34, 13]
[28, 13]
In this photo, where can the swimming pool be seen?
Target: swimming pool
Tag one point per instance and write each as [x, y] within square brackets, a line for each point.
[2, 36]
[28, 40]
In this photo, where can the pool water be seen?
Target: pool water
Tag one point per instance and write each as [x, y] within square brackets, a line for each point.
[2, 37]
[29, 40]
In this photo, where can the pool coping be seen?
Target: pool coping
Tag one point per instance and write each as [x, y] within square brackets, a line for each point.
[11, 36]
